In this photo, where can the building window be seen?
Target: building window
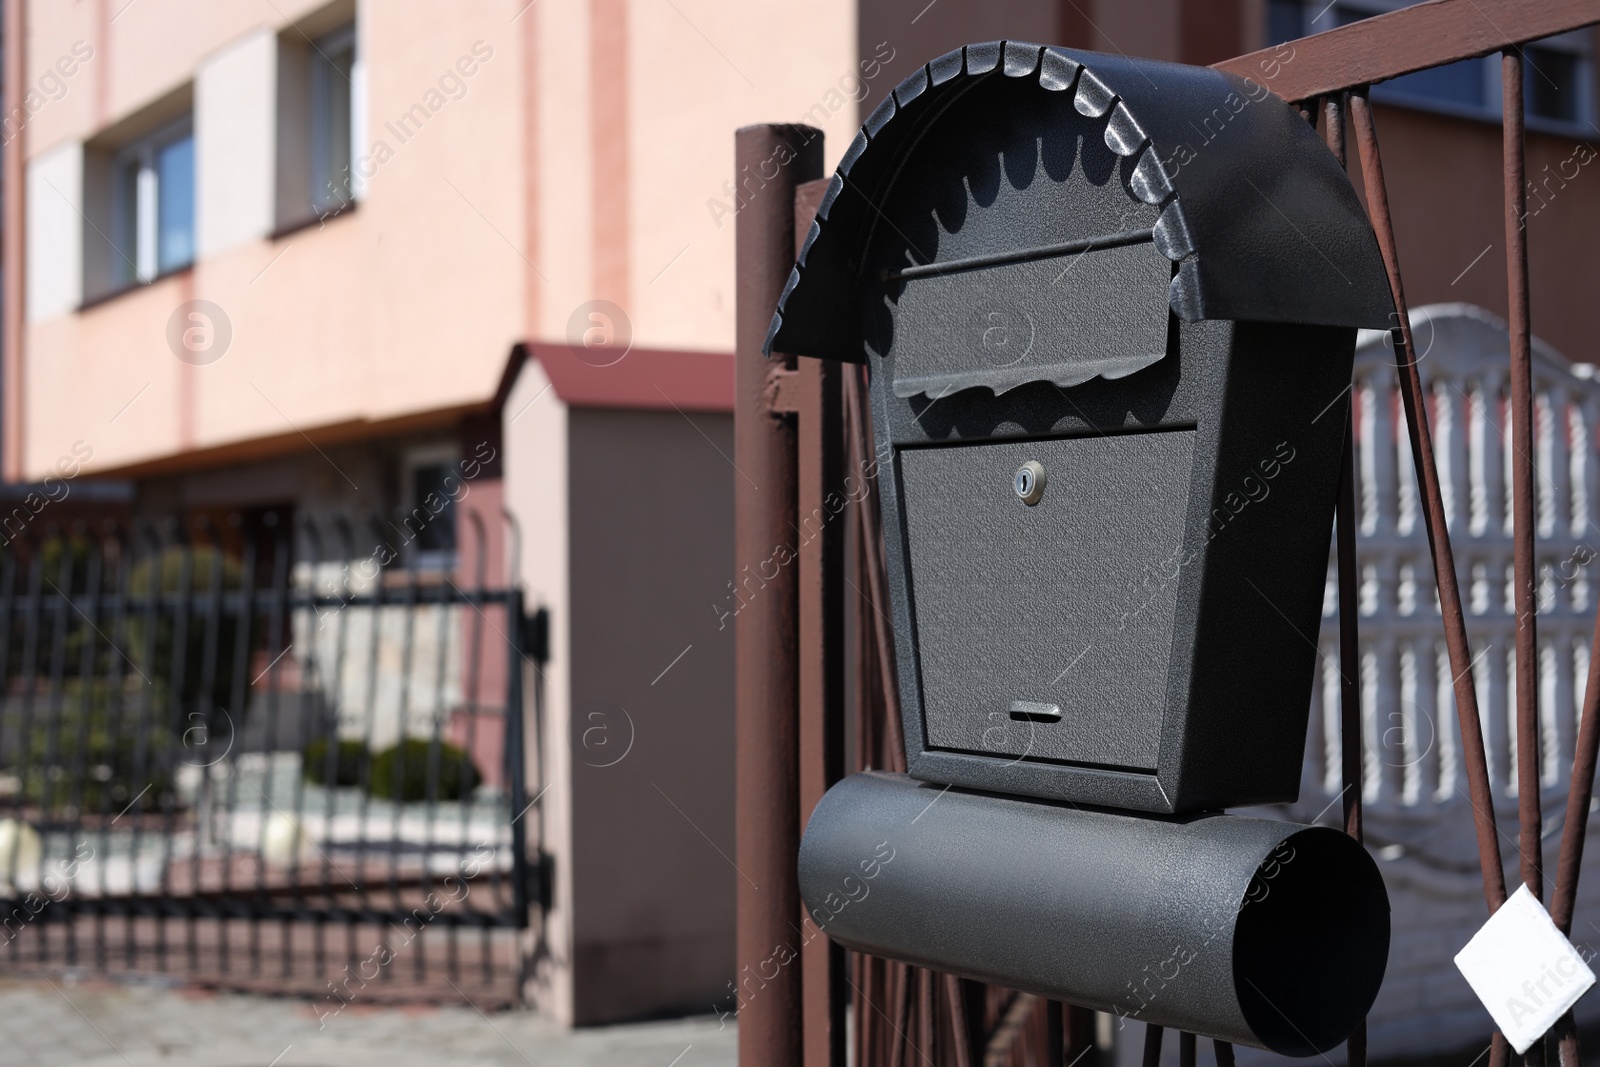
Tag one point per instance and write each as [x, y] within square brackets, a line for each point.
[153, 204]
[1555, 82]
[320, 105]
[431, 483]
[1557, 72]
[1286, 21]
[333, 71]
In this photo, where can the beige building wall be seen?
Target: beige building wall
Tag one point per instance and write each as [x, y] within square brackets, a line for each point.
[408, 303]
[586, 158]
[643, 219]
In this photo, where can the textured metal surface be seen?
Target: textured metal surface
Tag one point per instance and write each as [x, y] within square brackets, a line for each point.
[1000, 236]
[1110, 328]
[1014, 592]
[1252, 931]
[1242, 583]
[1006, 147]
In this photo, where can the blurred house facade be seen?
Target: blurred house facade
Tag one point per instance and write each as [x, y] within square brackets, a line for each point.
[449, 262]
[464, 267]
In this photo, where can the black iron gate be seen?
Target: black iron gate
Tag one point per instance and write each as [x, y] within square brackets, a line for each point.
[268, 752]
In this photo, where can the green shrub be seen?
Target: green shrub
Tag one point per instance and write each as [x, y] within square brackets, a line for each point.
[88, 755]
[347, 760]
[402, 772]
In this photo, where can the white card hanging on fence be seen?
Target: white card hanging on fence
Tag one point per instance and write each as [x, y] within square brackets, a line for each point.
[1526, 973]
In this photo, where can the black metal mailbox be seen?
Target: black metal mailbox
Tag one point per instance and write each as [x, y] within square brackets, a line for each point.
[1109, 307]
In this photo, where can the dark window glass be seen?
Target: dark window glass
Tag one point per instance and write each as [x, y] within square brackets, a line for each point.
[1286, 21]
[1550, 83]
[174, 167]
[332, 71]
[1456, 83]
[433, 514]
[125, 222]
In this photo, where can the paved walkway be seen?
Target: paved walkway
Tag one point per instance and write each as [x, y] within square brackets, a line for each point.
[97, 1024]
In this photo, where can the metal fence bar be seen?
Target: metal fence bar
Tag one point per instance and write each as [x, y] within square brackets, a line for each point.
[369, 724]
[515, 746]
[821, 478]
[1351, 748]
[434, 788]
[117, 722]
[331, 755]
[398, 771]
[472, 659]
[1410, 39]
[238, 697]
[204, 715]
[1414, 401]
[303, 532]
[1525, 567]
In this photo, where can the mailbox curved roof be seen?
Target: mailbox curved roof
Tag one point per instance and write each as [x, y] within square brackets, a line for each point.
[1259, 219]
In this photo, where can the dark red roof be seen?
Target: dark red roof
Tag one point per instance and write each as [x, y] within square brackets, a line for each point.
[643, 378]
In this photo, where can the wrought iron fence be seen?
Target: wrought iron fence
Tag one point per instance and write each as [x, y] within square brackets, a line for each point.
[266, 751]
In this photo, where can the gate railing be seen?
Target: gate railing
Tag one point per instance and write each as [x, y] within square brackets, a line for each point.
[265, 752]
[791, 419]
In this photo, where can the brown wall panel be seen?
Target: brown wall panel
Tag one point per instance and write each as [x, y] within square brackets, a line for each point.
[1446, 195]
[652, 733]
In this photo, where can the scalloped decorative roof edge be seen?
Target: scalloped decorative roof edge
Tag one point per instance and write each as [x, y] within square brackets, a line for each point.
[1055, 69]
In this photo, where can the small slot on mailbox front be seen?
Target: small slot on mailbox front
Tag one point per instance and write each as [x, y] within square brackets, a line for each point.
[1033, 711]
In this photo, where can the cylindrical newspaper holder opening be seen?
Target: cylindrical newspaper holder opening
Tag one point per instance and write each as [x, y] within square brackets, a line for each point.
[1258, 932]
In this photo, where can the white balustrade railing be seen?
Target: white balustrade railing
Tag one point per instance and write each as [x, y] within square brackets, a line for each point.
[1412, 746]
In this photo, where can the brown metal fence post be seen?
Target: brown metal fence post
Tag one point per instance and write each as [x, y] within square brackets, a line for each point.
[1352, 749]
[1522, 489]
[769, 162]
[824, 502]
[1530, 821]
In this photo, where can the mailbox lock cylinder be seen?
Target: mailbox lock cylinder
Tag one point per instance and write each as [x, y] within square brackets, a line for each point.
[1029, 482]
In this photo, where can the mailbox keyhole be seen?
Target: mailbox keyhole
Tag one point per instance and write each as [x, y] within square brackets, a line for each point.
[1029, 482]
